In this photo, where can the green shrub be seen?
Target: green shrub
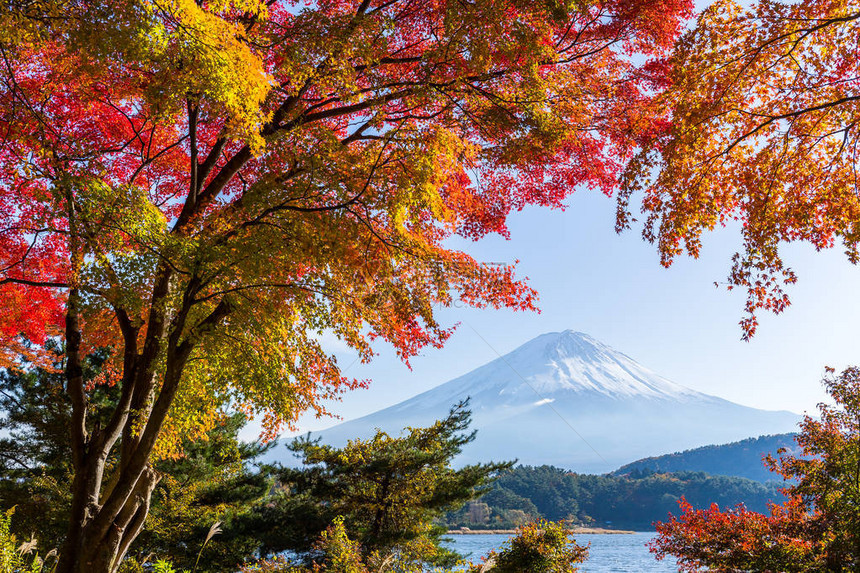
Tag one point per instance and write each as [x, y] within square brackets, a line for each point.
[539, 547]
[18, 557]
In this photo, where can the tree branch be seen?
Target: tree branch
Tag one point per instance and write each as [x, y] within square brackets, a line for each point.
[51, 284]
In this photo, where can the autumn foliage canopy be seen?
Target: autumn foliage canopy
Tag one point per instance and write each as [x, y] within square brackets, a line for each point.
[292, 169]
[762, 104]
[205, 187]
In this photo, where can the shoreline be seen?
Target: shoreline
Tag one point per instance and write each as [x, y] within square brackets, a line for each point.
[574, 531]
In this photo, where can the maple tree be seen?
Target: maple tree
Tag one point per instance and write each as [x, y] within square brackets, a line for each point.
[816, 529]
[205, 187]
[760, 127]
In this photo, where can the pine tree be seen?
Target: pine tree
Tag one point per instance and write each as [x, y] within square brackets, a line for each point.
[387, 489]
[213, 480]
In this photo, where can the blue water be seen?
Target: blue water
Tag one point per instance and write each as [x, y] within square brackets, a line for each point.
[607, 553]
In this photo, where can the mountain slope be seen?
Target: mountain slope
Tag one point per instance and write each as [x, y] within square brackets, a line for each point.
[568, 400]
[739, 459]
[621, 502]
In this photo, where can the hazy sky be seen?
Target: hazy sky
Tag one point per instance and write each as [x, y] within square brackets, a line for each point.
[674, 321]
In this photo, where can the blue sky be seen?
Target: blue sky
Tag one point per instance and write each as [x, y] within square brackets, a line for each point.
[674, 321]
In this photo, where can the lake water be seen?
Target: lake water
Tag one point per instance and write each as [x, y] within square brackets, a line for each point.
[607, 553]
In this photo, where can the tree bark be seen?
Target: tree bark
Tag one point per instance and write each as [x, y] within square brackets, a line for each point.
[105, 520]
[85, 551]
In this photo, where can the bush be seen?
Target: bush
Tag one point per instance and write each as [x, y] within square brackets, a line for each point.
[816, 530]
[18, 557]
[539, 547]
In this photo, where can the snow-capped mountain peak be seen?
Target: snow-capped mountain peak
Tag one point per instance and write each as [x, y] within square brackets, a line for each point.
[569, 400]
[568, 361]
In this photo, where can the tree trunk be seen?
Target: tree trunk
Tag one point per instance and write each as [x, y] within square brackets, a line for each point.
[88, 549]
[104, 521]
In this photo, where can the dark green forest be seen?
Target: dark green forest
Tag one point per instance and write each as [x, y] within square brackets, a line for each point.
[739, 459]
[631, 501]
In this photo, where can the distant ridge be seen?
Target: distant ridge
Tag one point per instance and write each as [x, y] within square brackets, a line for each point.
[739, 459]
[568, 400]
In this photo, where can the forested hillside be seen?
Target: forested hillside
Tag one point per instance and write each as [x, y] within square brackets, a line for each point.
[740, 459]
[632, 501]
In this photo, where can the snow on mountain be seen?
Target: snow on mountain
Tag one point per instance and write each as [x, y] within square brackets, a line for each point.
[571, 401]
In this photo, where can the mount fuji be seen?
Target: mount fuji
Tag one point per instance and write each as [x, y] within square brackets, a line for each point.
[568, 400]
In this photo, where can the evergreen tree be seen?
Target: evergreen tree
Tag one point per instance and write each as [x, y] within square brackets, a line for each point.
[388, 489]
[213, 480]
[34, 447]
